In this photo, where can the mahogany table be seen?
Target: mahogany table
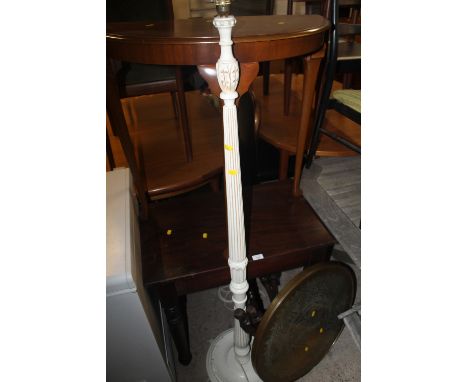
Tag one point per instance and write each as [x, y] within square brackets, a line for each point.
[283, 227]
[256, 38]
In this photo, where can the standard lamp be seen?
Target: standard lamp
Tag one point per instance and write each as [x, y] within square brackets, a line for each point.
[228, 358]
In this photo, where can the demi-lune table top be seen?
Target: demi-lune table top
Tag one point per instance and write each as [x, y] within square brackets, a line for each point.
[195, 41]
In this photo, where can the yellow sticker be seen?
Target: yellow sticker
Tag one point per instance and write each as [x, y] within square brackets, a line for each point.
[205, 236]
[228, 148]
[321, 330]
[232, 172]
[169, 232]
[306, 348]
[313, 313]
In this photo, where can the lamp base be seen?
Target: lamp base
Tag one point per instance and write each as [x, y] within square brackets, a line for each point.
[222, 364]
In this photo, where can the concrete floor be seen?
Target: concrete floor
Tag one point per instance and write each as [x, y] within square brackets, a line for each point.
[208, 317]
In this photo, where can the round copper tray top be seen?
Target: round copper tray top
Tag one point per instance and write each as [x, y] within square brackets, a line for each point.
[180, 42]
[301, 324]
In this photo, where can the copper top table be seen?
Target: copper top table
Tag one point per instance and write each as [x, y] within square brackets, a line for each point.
[196, 42]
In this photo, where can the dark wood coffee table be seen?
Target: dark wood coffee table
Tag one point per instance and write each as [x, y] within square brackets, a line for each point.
[281, 227]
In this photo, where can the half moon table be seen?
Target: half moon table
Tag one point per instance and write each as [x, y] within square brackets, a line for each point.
[256, 38]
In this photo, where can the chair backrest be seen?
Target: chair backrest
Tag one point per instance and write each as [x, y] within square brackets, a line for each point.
[119, 127]
[349, 8]
[328, 73]
[139, 10]
[252, 8]
[331, 11]
[312, 7]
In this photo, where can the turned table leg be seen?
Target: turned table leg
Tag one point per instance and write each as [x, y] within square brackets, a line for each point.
[311, 68]
[176, 315]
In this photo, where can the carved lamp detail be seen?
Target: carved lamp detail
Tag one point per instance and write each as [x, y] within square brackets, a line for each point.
[228, 358]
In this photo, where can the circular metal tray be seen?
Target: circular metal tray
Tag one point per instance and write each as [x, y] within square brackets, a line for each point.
[301, 324]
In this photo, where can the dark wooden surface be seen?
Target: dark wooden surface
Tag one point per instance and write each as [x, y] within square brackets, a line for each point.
[162, 144]
[284, 229]
[195, 41]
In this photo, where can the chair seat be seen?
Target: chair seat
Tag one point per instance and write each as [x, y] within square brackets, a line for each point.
[283, 228]
[281, 131]
[348, 97]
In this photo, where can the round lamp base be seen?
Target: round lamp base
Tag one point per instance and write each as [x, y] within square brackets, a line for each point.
[222, 364]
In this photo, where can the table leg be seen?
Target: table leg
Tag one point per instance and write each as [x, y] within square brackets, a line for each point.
[266, 77]
[176, 314]
[271, 283]
[284, 165]
[288, 67]
[311, 69]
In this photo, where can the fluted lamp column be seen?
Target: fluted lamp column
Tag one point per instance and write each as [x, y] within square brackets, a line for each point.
[228, 358]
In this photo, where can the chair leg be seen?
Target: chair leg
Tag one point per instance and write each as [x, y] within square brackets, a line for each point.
[183, 120]
[347, 80]
[283, 165]
[288, 64]
[110, 155]
[311, 69]
[130, 113]
[174, 105]
[266, 77]
[319, 117]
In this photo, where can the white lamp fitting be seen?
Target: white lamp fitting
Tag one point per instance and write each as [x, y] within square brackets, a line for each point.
[228, 358]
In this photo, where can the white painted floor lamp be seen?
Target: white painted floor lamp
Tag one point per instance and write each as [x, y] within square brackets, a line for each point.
[228, 358]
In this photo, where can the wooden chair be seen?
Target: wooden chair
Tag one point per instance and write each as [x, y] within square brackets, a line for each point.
[346, 101]
[139, 79]
[349, 48]
[282, 131]
[164, 172]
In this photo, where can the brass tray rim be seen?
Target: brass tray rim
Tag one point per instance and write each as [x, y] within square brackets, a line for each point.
[284, 293]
